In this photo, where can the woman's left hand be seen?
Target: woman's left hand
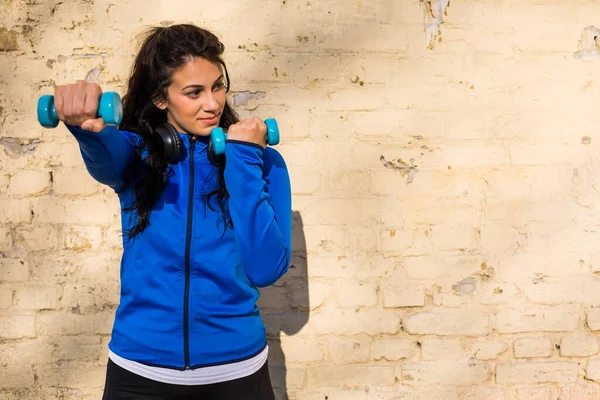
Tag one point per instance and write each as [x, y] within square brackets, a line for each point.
[251, 130]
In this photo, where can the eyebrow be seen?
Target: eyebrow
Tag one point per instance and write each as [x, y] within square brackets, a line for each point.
[220, 78]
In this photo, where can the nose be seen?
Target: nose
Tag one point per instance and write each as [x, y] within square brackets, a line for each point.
[211, 104]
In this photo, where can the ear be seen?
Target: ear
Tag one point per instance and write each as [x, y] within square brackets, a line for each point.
[161, 104]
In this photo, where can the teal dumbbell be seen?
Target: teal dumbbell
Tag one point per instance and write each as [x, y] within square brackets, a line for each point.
[110, 109]
[218, 137]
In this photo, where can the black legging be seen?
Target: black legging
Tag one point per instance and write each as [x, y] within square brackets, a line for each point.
[124, 385]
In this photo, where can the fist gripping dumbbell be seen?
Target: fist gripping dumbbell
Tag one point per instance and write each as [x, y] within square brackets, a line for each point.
[110, 109]
[218, 137]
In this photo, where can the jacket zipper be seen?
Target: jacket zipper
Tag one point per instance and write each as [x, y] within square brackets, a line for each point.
[188, 245]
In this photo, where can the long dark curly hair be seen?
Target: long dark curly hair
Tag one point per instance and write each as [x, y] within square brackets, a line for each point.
[163, 51]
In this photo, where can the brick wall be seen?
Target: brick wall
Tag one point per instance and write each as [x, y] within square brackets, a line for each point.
[446, 225]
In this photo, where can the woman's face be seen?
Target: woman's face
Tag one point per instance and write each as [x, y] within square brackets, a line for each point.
[196, 97]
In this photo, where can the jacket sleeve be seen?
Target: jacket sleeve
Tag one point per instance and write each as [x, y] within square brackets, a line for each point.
[107, 154]
[261, 210]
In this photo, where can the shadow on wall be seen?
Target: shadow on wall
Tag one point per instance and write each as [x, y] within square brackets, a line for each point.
[285, 308]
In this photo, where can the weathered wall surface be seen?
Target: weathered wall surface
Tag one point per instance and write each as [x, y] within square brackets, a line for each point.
[444, 168]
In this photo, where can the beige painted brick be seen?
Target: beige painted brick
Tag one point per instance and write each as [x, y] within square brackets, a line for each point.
[498, 293]
[15, 211]
[318, 292]
[79, 348]
[592, 371]
[56, 154]
[537, 372]
[94, 210]
[332, 211]
[456, 373]
[295, 377]
[348, 350]
[305, 181]
[6, 240]
[393, 349]
[4, 179]
[71, 373]
[442, 349]
[38, 238]
[593, 318]
[579, 345]
[301, 349]
[273, 298]
[114, 238]
[30, 182]
[360, 375]
[403, 295]
[448, 322]
[14, 270]
[452, 238]
[436, 266]
[533, 347]
[426, 182]
[82, 237]
[337, 240]
[501, 238]
[392, 394]
[534, 393]
[346, 322]
[539, 152]
[581, 390]
[560, 291]
[355, 294]
[17, 376]
[289, 321]
[6, 297]
[562, 318]
[346, 183]
[350, 394]
[14, 326]
[88, 298]
[36, 350]
[74, 181]
[37, 297]
[488, 393]
[488, 348]
[396, 241]
[70, 324]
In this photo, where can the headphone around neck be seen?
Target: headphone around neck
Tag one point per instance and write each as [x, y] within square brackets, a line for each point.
[172, 146]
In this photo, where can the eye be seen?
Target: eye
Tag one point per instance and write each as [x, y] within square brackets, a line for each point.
[219, 86]
[193, 94]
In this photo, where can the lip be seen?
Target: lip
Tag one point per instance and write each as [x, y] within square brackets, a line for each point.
[210, 121]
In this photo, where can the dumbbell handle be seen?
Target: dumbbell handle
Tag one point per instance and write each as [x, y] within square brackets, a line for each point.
[218, 137]
[110, 109]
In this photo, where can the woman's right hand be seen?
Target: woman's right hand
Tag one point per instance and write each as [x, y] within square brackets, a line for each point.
[76, 104]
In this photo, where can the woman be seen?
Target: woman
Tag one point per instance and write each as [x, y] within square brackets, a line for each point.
[201, 233]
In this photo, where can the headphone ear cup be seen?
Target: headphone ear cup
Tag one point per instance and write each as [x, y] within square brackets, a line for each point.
[172, 146]
[213, 158]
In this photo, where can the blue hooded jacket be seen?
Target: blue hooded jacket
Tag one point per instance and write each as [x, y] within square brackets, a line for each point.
[188, 287]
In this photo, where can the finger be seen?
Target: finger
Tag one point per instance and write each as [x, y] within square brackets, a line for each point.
[58, 102]
[233, 128]
[68, 92]
[79, 100]
[258, 125]
[93, 125]
[92, 99]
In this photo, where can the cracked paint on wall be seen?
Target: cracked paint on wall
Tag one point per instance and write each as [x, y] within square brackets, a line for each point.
[405, 169]
[588, 48]
[8, 40]
[242, 98]
[434, 11]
